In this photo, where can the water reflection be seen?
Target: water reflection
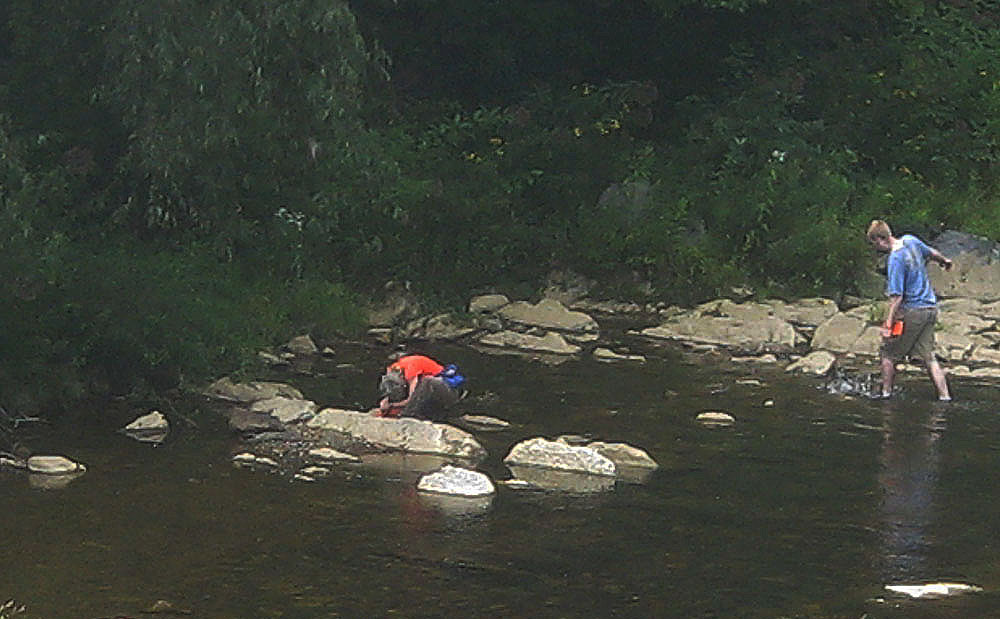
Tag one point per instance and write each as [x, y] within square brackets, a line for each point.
[909, 463]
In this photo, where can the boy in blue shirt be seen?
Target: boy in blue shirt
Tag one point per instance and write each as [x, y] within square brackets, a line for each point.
[911, 302]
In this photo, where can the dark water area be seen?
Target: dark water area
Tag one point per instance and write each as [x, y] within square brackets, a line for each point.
[804, 508]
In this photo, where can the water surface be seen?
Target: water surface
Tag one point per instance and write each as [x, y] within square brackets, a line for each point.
[805, 508]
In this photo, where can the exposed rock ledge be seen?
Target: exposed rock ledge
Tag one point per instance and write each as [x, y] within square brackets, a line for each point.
[404, 434]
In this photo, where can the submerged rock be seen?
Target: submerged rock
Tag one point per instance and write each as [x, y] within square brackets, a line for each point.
[453, 480]
[542, 453]
[536, 478]
[404, 434]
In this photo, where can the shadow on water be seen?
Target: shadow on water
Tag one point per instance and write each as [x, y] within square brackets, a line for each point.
[806, 506]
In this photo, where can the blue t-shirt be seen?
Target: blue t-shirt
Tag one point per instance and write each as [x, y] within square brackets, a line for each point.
[908, 274]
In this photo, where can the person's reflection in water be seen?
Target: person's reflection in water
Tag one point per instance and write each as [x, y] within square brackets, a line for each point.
[907, 476]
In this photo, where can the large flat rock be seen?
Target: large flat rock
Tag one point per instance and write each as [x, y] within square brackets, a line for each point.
[404, 434]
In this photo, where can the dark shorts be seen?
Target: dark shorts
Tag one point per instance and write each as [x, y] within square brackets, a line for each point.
[430, 399]
[917, 339]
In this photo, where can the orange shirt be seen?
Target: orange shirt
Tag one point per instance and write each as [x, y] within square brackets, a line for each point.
[416, 365]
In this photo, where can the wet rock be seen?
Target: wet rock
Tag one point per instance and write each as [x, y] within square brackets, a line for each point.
[624, 455]
[245, 458]
[457, 481]
[54, 465]
[247, 393]
[715, 418]
[817, 363]
[247, 422]
[484, 422]
[854, 384]
[150, 428]
[606, 354]
[286, 410]
[330, 454]
[551, 342]
[315, 471]
[548, 314]
[404, 434]
[487, 303]
[537, 478]
[542, 453]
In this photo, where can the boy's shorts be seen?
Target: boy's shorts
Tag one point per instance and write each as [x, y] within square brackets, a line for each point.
[917, 339]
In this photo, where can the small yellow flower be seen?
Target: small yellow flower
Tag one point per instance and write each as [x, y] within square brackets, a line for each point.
[496, 141]
[577, 131]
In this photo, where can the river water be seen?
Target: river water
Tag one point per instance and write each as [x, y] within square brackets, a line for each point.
[804, 508]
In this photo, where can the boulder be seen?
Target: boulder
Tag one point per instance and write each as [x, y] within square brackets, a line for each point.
[976, 270]
[285, 410]
[548, 314]
[453, 480]
[839, 332]
[247, 393]
[404, 434]
[551, 342]
[302, 345]
[543, 453]
[817, 363]
[244, 421]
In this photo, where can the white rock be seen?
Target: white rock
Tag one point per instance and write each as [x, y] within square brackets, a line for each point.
[936, 589]
[543, 453]
[313, 471]
[453, 480]
[245, 458]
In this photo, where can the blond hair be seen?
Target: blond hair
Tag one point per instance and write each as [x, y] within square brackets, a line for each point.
[878, 229]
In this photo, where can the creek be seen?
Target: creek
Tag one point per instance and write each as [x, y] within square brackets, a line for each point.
[806, 507]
